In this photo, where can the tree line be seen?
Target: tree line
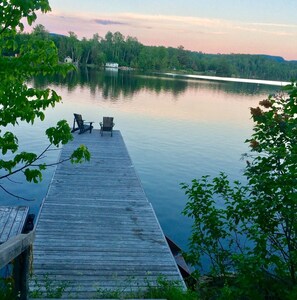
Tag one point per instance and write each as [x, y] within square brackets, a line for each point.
[129, 52]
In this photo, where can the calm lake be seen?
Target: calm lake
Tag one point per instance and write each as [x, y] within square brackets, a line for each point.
[175, 129]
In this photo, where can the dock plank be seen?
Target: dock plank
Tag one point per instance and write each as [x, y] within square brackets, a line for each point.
[12, 221]
[97, 227]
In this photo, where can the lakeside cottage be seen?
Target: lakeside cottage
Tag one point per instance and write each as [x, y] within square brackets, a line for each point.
[68, 60]
[112, 65]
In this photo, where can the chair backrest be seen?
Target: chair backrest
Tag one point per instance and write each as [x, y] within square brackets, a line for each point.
[107, 122]
[79, 120]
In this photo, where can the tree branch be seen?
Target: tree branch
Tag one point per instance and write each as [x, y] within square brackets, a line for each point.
[26, 165]
[13, 195]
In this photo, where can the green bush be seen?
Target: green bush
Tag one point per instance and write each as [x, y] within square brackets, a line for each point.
[248, 233]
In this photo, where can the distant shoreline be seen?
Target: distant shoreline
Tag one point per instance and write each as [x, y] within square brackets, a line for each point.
[230, 79]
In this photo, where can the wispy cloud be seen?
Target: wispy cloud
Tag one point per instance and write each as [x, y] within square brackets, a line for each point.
[267, 29]
[143, 20]
[108, 22]
[276, 25]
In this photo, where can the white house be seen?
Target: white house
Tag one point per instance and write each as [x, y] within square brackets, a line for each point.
[68, 60]
[112, 65]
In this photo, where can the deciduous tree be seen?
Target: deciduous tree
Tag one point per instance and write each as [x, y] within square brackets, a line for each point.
[21, 103]
[248, 233]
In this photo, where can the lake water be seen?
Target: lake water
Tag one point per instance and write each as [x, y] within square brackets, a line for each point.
[175, 129]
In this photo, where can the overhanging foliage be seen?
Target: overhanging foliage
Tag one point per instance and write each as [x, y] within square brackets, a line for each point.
[20, 103]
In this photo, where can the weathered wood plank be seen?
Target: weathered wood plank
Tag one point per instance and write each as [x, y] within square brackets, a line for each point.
[14, 247]
[12, 220]
[96, 222]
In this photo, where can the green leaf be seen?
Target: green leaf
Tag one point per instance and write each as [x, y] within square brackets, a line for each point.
[33, 175]
[81, 154]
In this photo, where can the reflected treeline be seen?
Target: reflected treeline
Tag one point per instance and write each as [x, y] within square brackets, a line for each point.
[243, 88]
[115, 84]
[112, 84]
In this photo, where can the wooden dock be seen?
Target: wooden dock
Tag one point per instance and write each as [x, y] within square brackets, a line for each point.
[97, 230]
[15, 247]
[12, 221]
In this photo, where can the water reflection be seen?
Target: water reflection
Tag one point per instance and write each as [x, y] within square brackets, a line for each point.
[175, 129]
[114, 85]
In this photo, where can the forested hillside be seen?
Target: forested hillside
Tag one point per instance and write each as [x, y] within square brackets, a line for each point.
[129, 52]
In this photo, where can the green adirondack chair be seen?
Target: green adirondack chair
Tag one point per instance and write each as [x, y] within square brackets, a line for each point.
[106, 125]
[82, 125]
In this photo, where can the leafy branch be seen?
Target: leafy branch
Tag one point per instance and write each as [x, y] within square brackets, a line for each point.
[20, 103]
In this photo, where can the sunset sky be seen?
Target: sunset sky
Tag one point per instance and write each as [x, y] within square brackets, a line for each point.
[212, 26]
